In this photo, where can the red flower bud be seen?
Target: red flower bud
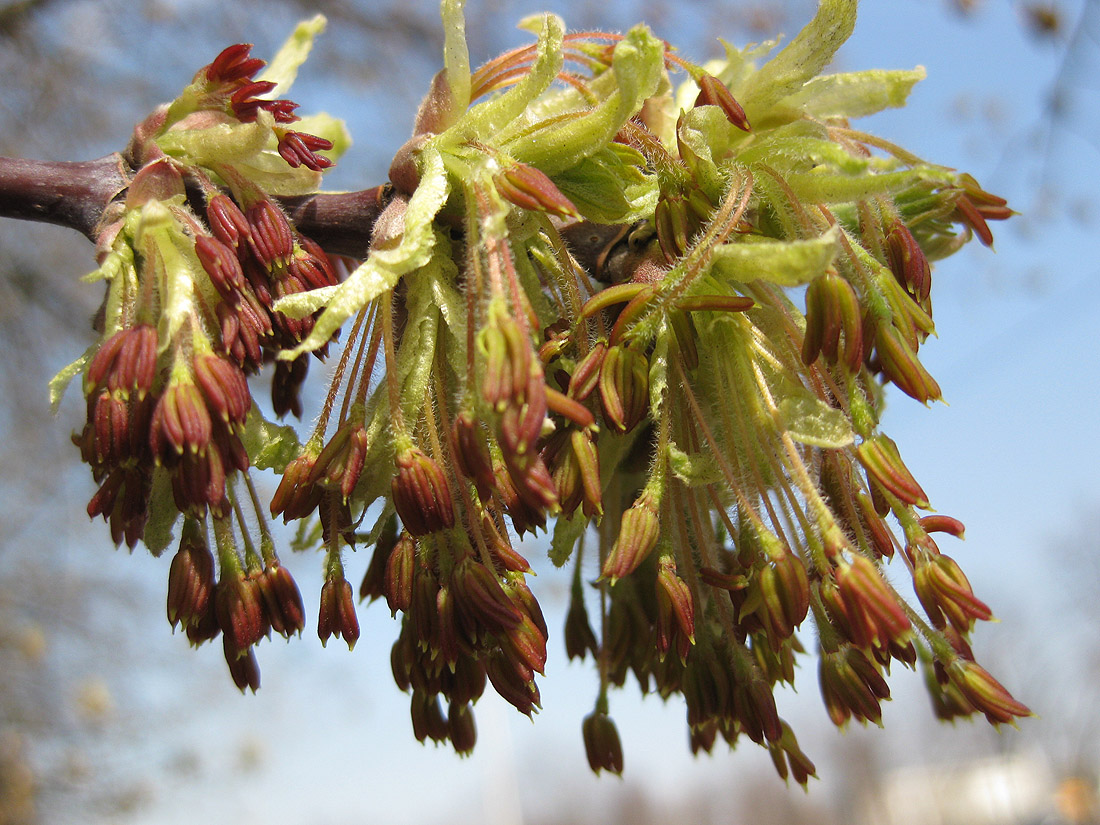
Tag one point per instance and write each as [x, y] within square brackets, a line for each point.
[282, 600]
[239, 606]
[638, 535]
[879, 456]
[713, 92]
[601, 743]
[528, 188]
[624, 387]
[191, 577]
[985, 693]
[243, 667]
[400, 567]
[337, 614]
[421, 494]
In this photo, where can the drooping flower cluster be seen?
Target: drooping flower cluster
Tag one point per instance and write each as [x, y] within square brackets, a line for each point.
[580, 313]
[189, 315]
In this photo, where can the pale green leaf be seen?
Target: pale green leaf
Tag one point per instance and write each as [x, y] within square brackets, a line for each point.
[694, 469]
[301, 304]
[228, 142]
[456, 56]
[558, 143]
[800, 60]
[163, 513]
[786, 263]
[269, 446]
[610, 186]
[486, 118]
[283, 68]
[60, 382]
[855, 94]
[269, 171]
[383, 269]
[567, 532]
[809, 420]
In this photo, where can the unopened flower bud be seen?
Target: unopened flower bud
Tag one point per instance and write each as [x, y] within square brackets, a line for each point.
[421, 494]
[879, 456]
[624, 387]
[601, 743]
[985, 693]
[373, 585]
[943, 590]
[675, 611]
[427, 717]
[521, 693]
[902, 366]
[221, 264]
[398, 583]
[785, 590]
[872, 608]
[908, 261]
[528, 188]
[239, 607]
[472, 455]
[228, 223]
[461, 728]
[638, 535]
[587, 374]
[243, 667]
[296, 497]
[480, 598]
[851, 685]
[283, 600]
[224, 387]
[191, 577]
[507, 356]
[833, 313]
[579, 636]
[270, 236]
[180, 422]
[337, 614]
[713, 92]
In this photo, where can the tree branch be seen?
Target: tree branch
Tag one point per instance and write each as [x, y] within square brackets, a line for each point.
[75, 195]
[60, 192]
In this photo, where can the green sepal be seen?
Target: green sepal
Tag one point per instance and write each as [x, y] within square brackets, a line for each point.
[283, 68]
[610, 186]
[694, 469]
[381, 271]
[163, 513]
[855, 94]
[785, 263]
[567, 532]
[60, 382]
[561, 141]
[269, 446]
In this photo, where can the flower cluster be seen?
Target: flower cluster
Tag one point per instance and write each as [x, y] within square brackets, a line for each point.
[189, 316]
[581, 312]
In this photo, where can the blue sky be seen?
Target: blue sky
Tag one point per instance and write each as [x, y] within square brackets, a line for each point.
[1013, 453]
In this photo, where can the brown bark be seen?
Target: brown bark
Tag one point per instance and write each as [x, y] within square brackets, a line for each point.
[75, 194]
